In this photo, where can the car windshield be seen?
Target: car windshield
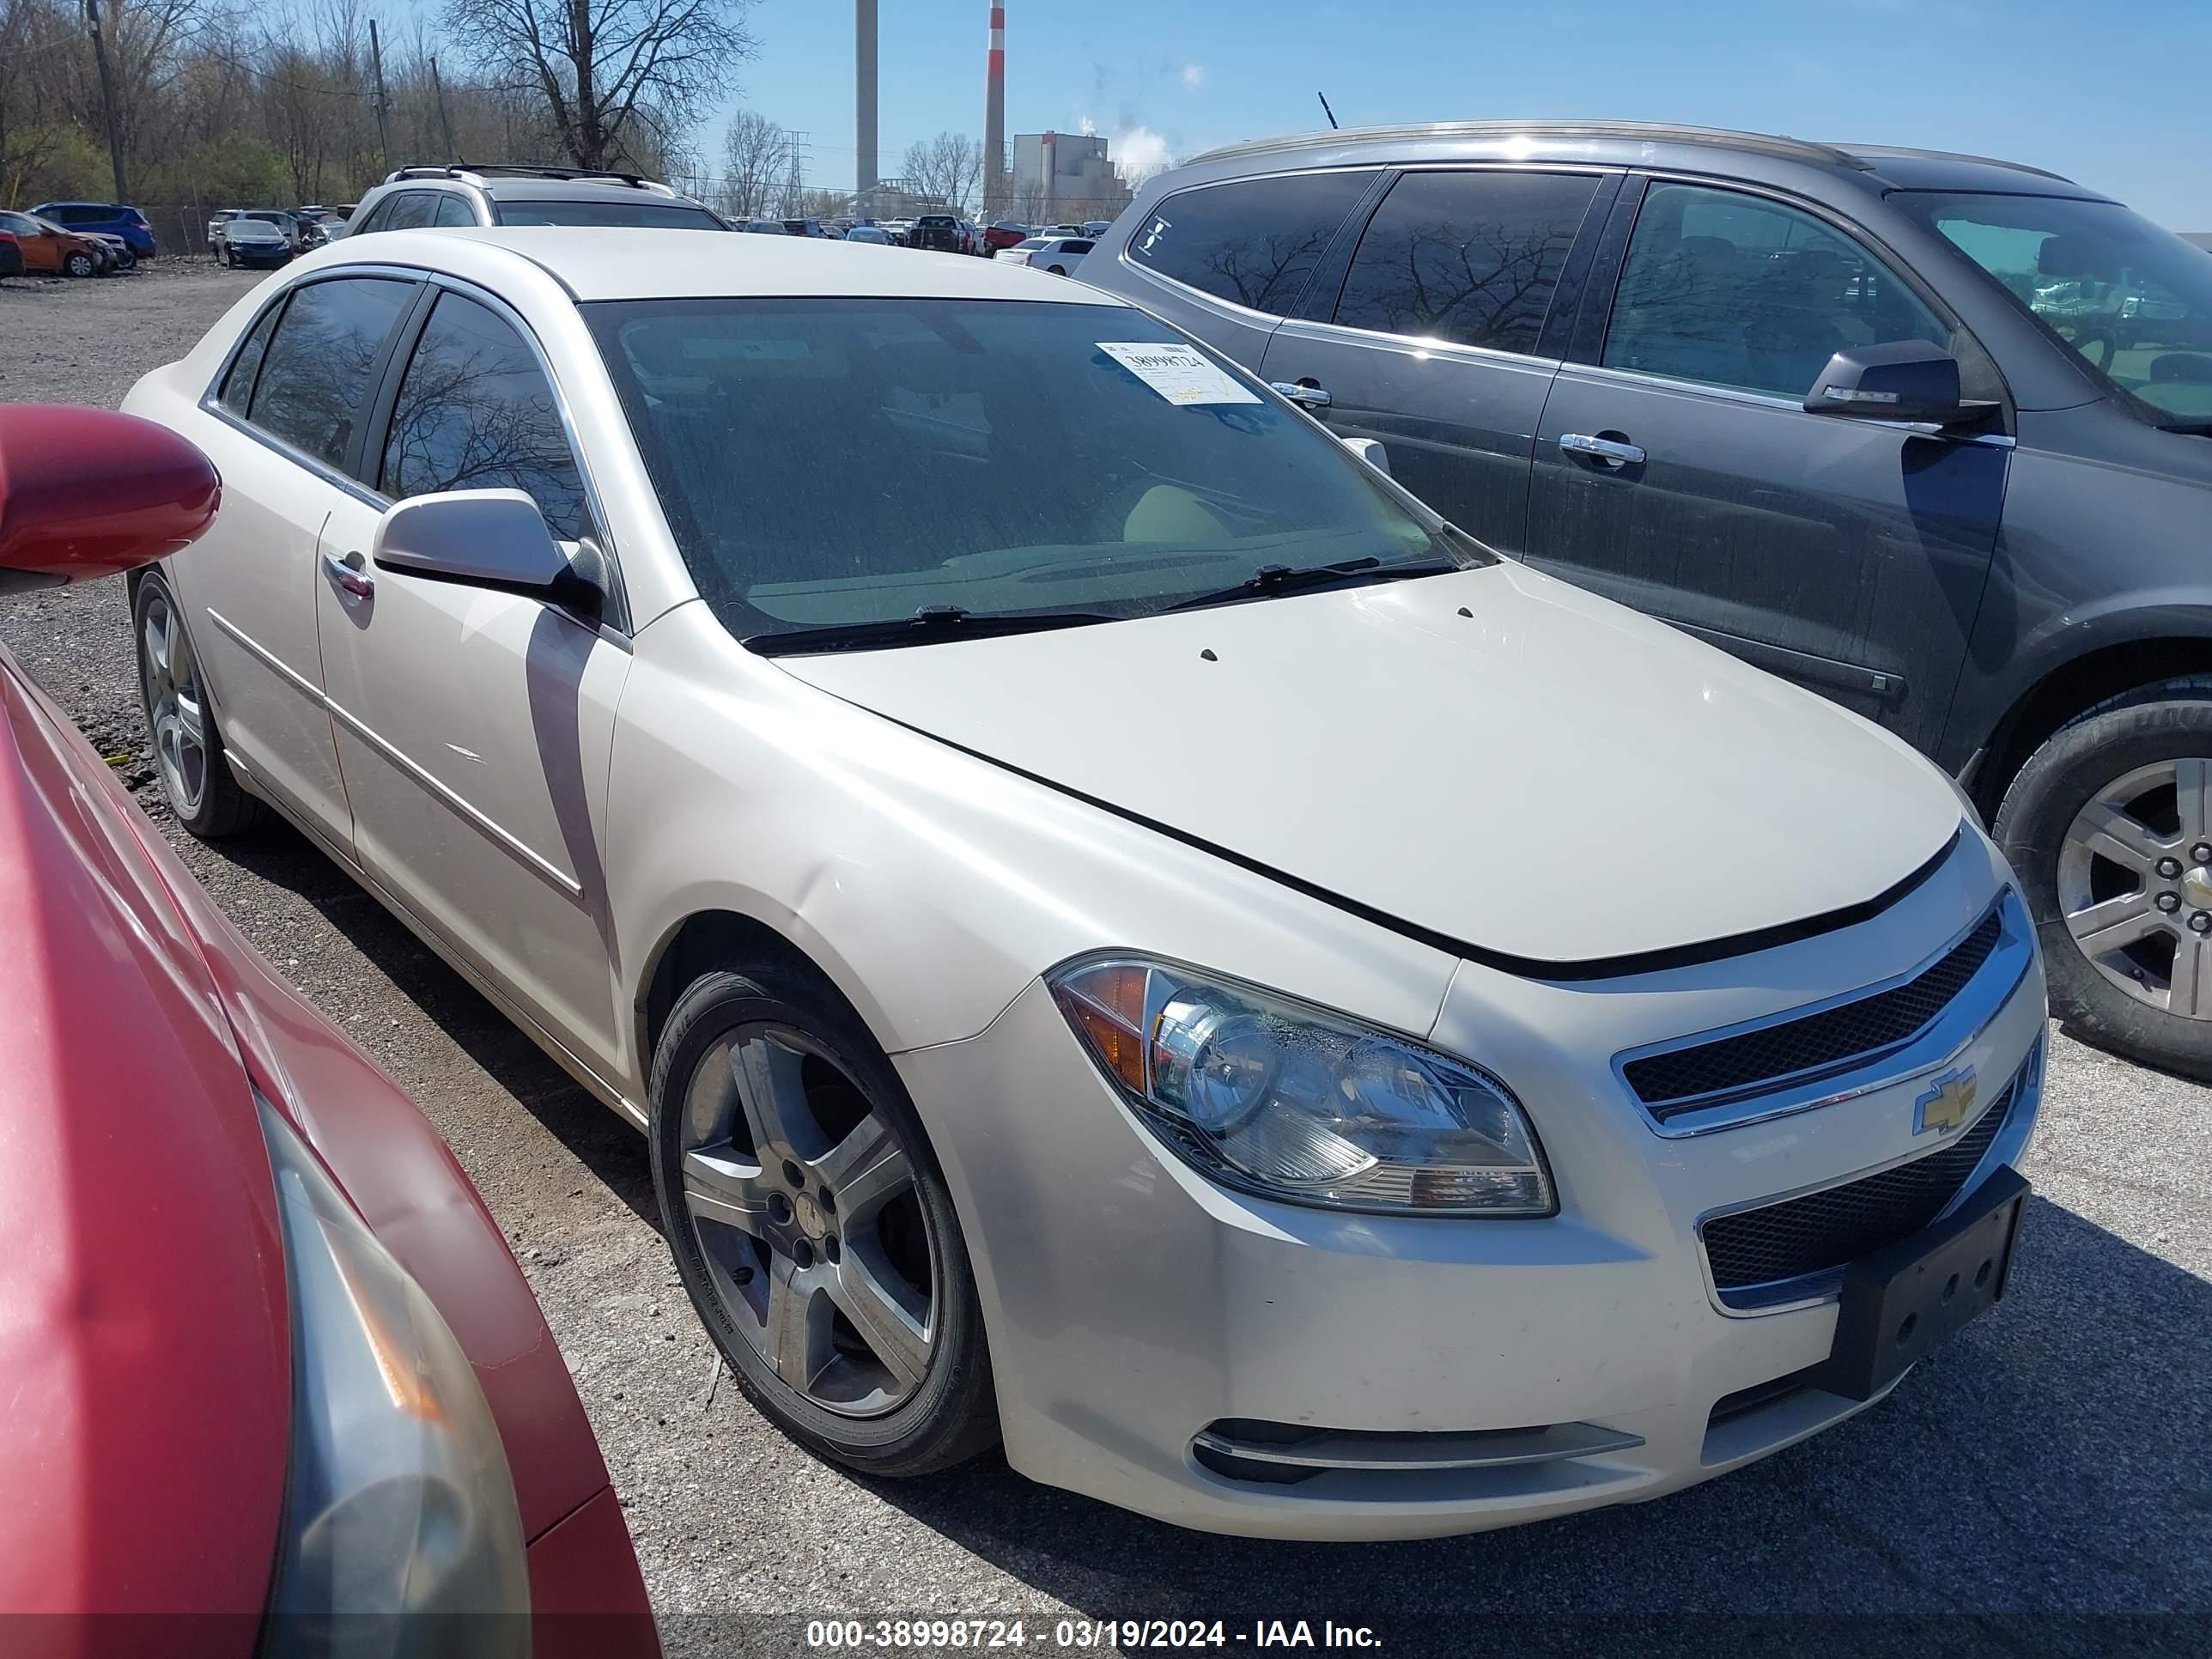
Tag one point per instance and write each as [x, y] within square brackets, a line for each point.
[833, 462]
[2135, 300]
[651, 215]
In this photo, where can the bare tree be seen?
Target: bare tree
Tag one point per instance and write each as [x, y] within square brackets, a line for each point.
[615, 76]
[826, 203]
[949, 167]
[756, 159]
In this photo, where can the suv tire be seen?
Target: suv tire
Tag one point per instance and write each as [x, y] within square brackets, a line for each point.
[2101, 820]
[764, 1228]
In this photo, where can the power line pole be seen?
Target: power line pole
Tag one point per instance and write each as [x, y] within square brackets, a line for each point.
[383, 104]
[445, 119]
[106, 96]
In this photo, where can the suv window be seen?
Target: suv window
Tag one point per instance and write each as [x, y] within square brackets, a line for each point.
[315, 379]
[1254, 241]
[648, 215]
[376, 219]
[476, 412]
[1472, 257]
[453, 211]
[1735, 290]
[410, 211]
[237, 393]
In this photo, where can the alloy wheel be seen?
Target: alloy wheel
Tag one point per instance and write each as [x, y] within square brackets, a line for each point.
[2135, 884]
[803, 1205]
[175, 709]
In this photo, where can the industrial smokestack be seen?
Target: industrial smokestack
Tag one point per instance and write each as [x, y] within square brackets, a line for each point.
[995, 120]
[864, 99]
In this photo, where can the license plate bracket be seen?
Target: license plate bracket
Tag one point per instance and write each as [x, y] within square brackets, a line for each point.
[1902, 1300]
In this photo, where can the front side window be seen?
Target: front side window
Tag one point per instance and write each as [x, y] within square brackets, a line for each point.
[379, 216]
[1255, 242]
[2133, 300]
[1739, 291]
[476, 412]
[833, 462]
[1472, 257]
[314, 381]
[637, 215]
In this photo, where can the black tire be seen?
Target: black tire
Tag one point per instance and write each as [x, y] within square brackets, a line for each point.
[1057, 270]
[2144, 728]
[951, 1414]
[79, 264]
[223, 808]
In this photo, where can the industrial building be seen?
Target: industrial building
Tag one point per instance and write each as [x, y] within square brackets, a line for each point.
[1061, 177]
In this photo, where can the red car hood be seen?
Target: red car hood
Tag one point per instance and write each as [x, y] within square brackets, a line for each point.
[145, 1386]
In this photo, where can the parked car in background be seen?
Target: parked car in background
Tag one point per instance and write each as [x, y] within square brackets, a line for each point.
[109, 217]
[1097, 227]
[1930, 435]
[48, 250]
[938, 233]
[811, 228]
[1003, 235]
[1514, 1198]
[362, 1411]
[412, 198]
[764, 227]
[875, 235]
[218, 222]
[901, 231]
[11, 255]
[1058, 254]
[119, 254]
[251, 240]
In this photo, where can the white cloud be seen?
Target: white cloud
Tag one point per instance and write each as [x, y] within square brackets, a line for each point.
[1140, 150]
[1194, 75]
[1086, 126]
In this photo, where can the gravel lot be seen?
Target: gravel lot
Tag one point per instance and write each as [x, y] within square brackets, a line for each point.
[2050, 1463]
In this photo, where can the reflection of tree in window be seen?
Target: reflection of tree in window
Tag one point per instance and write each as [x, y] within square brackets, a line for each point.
[476, 412]
[1470, 257]
[316, 377]
[1255, 241]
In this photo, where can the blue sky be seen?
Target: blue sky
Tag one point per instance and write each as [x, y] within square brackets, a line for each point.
[2116, 95]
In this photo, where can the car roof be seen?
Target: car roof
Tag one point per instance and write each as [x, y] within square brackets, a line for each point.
[1624, 143]
[622, 263]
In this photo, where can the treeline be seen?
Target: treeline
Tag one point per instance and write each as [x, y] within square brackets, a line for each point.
[274, 102]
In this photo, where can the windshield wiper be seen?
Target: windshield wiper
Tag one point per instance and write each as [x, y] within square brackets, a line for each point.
[931, 623]
[1271, 579]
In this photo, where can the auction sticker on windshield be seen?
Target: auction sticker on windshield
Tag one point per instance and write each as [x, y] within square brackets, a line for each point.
[1182, 374]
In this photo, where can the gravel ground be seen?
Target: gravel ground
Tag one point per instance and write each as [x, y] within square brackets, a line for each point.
[2043, 1473]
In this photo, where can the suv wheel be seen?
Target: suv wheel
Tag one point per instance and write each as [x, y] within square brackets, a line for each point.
[196, 778]
[812, 1228]
[2110, 828]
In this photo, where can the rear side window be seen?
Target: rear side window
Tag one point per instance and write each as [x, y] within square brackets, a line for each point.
[647, 214]
[1255, 242]
[237, 393]
[410, 209]
[476, 412]
[453, 211]
[314, 380]
[1472, 257]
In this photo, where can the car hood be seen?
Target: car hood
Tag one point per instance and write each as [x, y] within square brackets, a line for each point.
[1490, 756]
[144, 1353]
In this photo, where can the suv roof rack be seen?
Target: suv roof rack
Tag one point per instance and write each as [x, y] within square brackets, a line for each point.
[1794, 149]
[477, 172]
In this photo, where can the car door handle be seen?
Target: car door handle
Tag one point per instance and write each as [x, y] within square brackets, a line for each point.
[1601, 449]
[1302, 391]
[355, 584]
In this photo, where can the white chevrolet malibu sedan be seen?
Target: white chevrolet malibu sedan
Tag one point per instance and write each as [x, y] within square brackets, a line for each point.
[1126, 933]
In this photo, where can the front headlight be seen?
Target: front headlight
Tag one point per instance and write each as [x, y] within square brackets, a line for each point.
[1281, 1098]
[399, 1500]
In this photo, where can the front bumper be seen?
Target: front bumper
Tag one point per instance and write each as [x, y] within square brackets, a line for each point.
[1134, 1307]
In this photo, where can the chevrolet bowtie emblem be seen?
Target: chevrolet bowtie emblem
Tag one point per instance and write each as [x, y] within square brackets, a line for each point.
[1944, 1108]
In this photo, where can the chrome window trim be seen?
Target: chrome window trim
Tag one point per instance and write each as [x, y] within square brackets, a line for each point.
[1765, 400]
[1936, 1044]
[1346, 334]
[2021, 1101]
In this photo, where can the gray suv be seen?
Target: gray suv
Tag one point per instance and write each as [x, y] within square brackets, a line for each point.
[1928, 433]
[414, 197]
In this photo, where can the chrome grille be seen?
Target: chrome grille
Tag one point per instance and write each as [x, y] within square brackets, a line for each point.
[1845, 1036]
[1821, 1231]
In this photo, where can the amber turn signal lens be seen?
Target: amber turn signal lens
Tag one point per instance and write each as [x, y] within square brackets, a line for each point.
[1107, 1005]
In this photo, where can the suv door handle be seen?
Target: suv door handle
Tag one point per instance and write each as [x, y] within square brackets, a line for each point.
[355, 584]
[1612, 451]
[1302, 391]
